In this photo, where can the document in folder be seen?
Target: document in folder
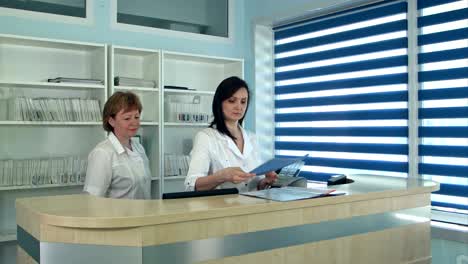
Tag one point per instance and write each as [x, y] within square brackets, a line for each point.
[289, 193]
[276, 164]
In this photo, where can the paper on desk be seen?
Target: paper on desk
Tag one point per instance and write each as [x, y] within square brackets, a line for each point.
[276, 164]
[289, 193]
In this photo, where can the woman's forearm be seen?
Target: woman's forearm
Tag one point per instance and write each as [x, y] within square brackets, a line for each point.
[208, 182]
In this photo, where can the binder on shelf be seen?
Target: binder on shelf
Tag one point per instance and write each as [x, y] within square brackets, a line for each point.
[53, 109]
[182, 108]
[175, 165]
[36, 172]
[75, 80]
[127, 81]
[173, 87]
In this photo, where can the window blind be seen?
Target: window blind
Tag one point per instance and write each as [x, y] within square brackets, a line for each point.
[341, 92]
[443, 95]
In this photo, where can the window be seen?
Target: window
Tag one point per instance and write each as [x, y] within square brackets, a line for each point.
[342, 94]
[206, 17]
[443, 95]
[73, 8]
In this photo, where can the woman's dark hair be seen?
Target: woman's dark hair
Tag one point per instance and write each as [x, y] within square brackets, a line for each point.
[119, 101]
[225, 90]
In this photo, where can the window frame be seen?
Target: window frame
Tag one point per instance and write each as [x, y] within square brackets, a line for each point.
[19, 13]
[172, 33]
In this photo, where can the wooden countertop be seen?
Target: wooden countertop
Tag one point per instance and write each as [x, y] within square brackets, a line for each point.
[85, 211]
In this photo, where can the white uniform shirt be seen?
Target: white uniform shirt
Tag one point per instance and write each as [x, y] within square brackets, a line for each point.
[213, 151]
[117, 172]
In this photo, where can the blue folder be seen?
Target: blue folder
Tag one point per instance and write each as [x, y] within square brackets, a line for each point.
[276, 164]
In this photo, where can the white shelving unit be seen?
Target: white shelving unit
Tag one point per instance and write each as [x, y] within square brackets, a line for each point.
[201, 75]
[141, 64]
[25, 66]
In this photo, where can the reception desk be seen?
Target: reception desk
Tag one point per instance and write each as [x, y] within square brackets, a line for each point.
[380, 220]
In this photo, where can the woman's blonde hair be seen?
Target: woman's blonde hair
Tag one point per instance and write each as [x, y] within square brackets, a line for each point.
[119, 101]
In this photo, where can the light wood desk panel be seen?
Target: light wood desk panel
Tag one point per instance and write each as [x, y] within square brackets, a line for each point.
[380, 218]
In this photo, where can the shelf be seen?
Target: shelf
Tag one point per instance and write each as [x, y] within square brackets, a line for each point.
[132, 51]
[173, 91]
[149, 123]
[48, 123]
[169, 178]
[8, 236]
[134, 88]
[30, 187]
[191, 58]
[50, 85]
[186, 124]
[48, 43]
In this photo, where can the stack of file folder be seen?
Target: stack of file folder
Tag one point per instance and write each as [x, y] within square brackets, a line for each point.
[59, 170]
[53, 109]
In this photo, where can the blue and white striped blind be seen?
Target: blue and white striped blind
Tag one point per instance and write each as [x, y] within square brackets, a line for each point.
[443, 95]
[341, 92]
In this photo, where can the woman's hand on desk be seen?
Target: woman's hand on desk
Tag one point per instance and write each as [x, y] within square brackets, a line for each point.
[270, 178]
[234, 174]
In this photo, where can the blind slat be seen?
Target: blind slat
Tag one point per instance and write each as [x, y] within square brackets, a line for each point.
[344, 115]
[342, 20]
[444, 132]
[344, 68]
[344, 147]
[450, 205]
[440, 75]
[452, 189]
[425, 3]
[443, 93]
[355, 164]
[344, 36]
[443, 17]
[443, 151]
[400, 78]
[343, 131]
[445, 55]
[447, 112]
[343, 52]
[456, 34]
[446, 170]
[399, 96]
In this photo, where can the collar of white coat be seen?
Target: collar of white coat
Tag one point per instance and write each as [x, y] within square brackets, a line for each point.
[232, 145]
[116, 143]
